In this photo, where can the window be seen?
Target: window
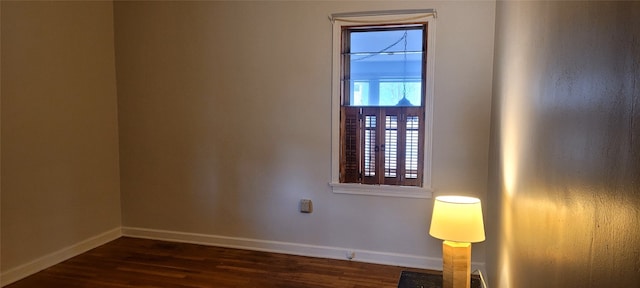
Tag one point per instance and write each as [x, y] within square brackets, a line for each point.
[382, 101]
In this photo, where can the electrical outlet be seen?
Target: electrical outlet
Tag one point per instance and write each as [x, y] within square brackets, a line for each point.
[351, 254]
[306, 206]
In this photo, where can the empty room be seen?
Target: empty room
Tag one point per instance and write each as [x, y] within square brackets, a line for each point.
[316, 143]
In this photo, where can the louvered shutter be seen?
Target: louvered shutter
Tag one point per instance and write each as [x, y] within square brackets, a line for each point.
[349, 139]
[370, 146]
[391, 166]
[413, 141]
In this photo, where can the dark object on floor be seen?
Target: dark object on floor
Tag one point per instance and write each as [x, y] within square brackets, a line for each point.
[409, 279]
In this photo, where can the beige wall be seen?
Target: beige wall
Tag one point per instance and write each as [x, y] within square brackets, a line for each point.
[224, 112]
[565, 164]
[59, 127]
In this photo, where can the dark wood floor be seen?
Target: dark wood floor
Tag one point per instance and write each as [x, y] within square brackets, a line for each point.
[131, 262]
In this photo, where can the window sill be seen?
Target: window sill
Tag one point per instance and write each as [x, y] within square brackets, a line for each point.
[381, 190]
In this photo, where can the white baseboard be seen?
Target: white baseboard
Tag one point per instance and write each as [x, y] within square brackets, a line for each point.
[22, 271]
[394, 259]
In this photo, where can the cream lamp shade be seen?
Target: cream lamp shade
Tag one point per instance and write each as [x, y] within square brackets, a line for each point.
[458, 219]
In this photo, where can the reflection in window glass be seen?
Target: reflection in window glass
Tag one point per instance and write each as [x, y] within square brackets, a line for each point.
[391, 93]
[360, 94]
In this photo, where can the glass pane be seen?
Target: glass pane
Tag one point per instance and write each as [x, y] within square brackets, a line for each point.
[385, 67]
[387, 40]
[360, 95]
[392, 93]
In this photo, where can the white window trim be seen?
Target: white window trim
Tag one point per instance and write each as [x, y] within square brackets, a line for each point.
[372, 18]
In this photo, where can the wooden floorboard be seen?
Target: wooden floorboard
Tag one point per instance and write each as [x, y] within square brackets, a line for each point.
[132, 262]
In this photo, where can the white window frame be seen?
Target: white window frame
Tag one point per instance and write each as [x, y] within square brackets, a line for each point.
[379, 18]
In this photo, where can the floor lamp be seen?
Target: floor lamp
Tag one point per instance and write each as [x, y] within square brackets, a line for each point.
[458, 221]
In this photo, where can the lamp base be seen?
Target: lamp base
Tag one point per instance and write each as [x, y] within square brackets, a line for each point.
[456, 264]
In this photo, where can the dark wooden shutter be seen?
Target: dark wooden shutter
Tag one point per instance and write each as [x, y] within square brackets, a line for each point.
[370, 146]
[349, 139]
[391, 146]
[413, 143]
[382, 145]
